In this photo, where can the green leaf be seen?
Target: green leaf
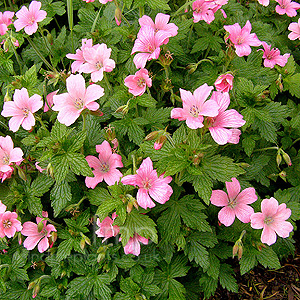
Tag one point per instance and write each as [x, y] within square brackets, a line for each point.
[101, 289]
[41, 185]
[60, 196]
[268, 258]
[77, 141]
[146, 100]
[248, 261]
[79, 165]
[35, 206]
[107, 206]
[214, 266]
[60, 167]
[64, 249]
[135, 133]
[293, 85]
[203, 185]
[176, 290]
[98, 195]
[227, 280]
[208, 285]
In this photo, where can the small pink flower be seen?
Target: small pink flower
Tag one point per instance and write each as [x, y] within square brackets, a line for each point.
[149, 184]
[295, 30]
[264, 2]
[148, 44]
[36, 236]
[49, 101]
[89, 1]
[133, 246]
[28, 18]
[105, 167]
[105, 1]
[161, 24]
[287, 7]
[6, 175]
[224, 83]
[242, 38]
[272, 56]
[106, 229]
[21, 110]
[137, 83]
[202, 10]
[195, 107]
[9, 224]
[2, 207]
[71, 104]
[225, 119]
[273, 220]
[5, 20]
[235, 203]
[97, 61]
[38, 167]
[8, 154]
[79, 59]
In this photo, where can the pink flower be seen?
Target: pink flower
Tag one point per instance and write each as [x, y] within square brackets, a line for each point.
[40, 169]
[161, 24]
[9, 224]
[8, 154]
[287, 7]
[242, 38]
[149, 184]
[224, 83]
[21, 110]
[89, 1]
[36, 234]
[105, 1]
[5, 20]
[264, 2]
[71, 104]
[272, 56]
[195, 107]
[133, 246]
[225, 119]
[97, 61]
[106, 229]
[137, 83]
[79, 59]
[2, 207]
[105, 167]
[49, 101]
[6, 175]
[295, 30]
[272, 220]
[29, 18]
[148, 43]
[235, 203]
[202, 10]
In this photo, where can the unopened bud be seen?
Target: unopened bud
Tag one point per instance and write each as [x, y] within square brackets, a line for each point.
[287, 159]
[160, 142]
[129, 207]
[40, 226]
[7, 97]
[36, 289]
[118, 16]
[50, 38]
[31, 285]
[100, 257]
[192, 68]
[21, 174]
[122, 109]
[151, 136]
[50, 170]
[6, 46]
[278, 159]
[135, 204]
[282, 175]
[82, 243]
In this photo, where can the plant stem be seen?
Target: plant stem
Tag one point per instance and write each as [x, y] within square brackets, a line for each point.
[70, 20]
[45, 42]
[42, 123]
[96, 19]
[16, 54]
[267, 148]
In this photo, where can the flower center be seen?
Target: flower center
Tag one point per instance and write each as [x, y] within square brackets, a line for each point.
[232, 203]
[7, 224]
[149, 48]
[268, 220]
[78, 103]
[147, 183]
[269, 56]
[99, 65]
[104, 167]
[141, 82]
[199, 10]
[194, 111]
[240, 41]
[31, 20]
[5, 159]
[25, 112]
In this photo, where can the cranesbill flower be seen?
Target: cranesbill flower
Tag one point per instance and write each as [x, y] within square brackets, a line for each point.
[28, 18]
[105, 167]
[21, 109]
[272, 56]
[9, 224]
[97, 61]
[6, 175]
[106, 229]
[264, 2]
[36, 235]
[202, 10]
[133, 246]
[138, 82]
[287, 7]
[218, 125]
[272, 219]
[235, 202]
[71, 104]
[5, 20]
[224, 83]
[295, 30]
[242, 38]
[149, 184]
[195, 107]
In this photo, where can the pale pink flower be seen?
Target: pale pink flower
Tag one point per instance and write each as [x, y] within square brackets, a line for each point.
[224, 83]
[8, 154]
[202, 10]
[242, 38]
[287, 7]
[78, 56]
[105, 167]
[9, 224]
[71, 104]
[272, 56]
[225, 119]
[106, 229]
[133, 246]
[195, 107]
[40, 169]
[2, 207]
[264, 2]
[21, 110]
[28, 18]
[5, 21]
[295, 30]
[137, 83]
[6, 175]
[148, 44]
[97, 61]
[149, 184]
[273, 220]
[235, 202]
[89, 1]
[105, 1]
[49, 101]
[36, 236]
[161, 24]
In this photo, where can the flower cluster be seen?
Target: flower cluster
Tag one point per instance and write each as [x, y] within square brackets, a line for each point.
[9, 224]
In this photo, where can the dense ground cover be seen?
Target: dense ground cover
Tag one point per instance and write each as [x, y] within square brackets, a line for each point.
[149, 149]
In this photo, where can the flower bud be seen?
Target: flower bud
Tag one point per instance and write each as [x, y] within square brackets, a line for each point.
[192, 68]
[21, 173]
[278, 158]
[36, 289]
[7, 97]
[129, 207]
[282, 175]
[160, 142]
[31, 285]
[40, 226]
[123, 109]
[50, 170]
[151, 136]
[286, 158]
[118, 16]
[50, 38]
[82, 243]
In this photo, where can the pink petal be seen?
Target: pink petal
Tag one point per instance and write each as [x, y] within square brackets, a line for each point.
[233, 188]
[226, 216]
[247, 196]
[129, 179]
[282, 228]
[268, 236]
[76, 86]
[28, 122]
[93, 92]
[220, 135]
[269, 206]
[143, 199]
[257, 220]
[112, 176]
[219, 198]
[31, 241]
[243, 212]
[15, 122]
[43, 245]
